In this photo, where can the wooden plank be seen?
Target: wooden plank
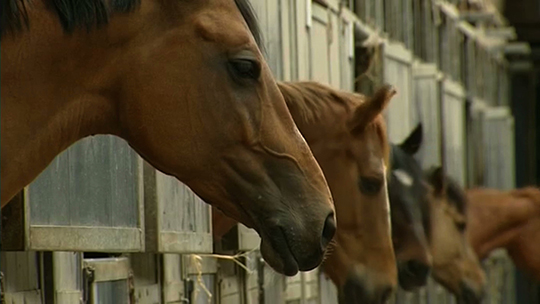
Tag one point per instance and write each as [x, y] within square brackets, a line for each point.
[13, 224]
[286, 32]
[334, 56]
[147, 294]
[426, 99]
[68, 297]
[60, 238]
[185, 242]
[248, 239]
[401, 112]
[109, 269]
[173, 286]
[144, 267]
[193, 265]
[20, 271]
[176, 219]
[319, 53]
[302, 39]
[67, 276]
[27, 297]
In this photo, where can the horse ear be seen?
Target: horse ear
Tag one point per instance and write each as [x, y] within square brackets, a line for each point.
[436, 179]
[366, 112]
[412, 144]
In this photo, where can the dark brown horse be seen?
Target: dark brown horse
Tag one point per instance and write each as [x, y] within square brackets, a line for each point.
[409, 204]
[184, 83]
[509, 220]
[348, 138]
[455, 264]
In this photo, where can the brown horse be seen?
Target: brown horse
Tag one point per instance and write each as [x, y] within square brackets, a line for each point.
[184, 83]
[455, 264]
[348, 138]
[409, 204]
[509, 220]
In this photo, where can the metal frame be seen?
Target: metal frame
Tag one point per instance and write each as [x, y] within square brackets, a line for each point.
[106, 270]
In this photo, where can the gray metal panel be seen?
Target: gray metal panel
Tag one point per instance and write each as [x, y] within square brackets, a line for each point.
[95, 183]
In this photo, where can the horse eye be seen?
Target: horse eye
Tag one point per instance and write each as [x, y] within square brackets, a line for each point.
[370, 185]
[461, 226]
[245, 68]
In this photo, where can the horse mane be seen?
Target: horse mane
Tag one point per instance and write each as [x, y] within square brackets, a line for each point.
[88, 14]
[314, 102]
[531, 193]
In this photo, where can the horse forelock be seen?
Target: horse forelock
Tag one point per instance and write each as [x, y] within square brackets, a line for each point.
[313, 102]
[456, 195]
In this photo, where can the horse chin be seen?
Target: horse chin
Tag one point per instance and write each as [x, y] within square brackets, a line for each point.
[281, 260]
[409, 282]
[468, 295]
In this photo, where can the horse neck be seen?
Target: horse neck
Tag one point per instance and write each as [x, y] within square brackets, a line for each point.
[47, 104]
[496, 218]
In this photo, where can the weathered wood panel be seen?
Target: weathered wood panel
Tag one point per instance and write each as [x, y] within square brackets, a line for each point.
[68, 277]
[176, 219]
[498, 142]
[109, 280]
[88, 198]
[454, 131]
[401, 114]
[319, 46]
[21, 277]
[427, 101]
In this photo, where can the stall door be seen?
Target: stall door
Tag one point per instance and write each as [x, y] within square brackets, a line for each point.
[401, 114]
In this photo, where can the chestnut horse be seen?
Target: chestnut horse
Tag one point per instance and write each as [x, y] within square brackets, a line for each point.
[184, 83]
[455, 264]
[347, 135]
[509, 220]
[409, 194]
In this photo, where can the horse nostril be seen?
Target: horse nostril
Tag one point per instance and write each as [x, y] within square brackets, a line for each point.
[418, 269]
[329, 230]
[386, 294]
